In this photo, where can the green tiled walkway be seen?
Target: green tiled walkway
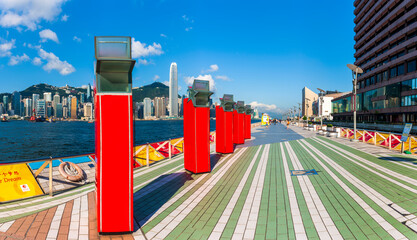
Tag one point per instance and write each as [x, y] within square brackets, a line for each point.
[251, 194]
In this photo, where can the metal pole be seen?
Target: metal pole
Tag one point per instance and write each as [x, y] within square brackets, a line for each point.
[147, 154]
[321, 111]
[354, 106]
[50, 179]
[169, 145]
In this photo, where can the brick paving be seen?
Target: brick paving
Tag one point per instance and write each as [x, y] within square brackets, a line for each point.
[250, 194]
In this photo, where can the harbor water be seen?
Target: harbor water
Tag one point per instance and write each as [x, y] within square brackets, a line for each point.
[23, 140]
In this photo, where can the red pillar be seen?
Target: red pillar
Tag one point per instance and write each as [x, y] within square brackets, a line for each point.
[196, 137]
[247, 132]
[238, 125]
[224, 131]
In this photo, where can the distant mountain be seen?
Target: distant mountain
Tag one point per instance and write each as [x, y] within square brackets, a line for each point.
[43, 88]
[156, 89]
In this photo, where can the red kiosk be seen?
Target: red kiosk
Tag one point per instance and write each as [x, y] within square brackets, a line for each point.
[114, 134]
[197, 128]
[248, 116]
[224, 124]
[238, 122]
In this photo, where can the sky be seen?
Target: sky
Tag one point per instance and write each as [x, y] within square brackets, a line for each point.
[263, 52]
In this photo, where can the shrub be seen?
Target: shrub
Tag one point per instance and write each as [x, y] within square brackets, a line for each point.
[329, 125]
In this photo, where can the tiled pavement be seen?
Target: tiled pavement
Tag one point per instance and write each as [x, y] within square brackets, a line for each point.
[249, 195]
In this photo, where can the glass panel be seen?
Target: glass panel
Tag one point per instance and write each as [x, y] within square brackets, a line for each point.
[114, 82]
[400, 69]
[411, 66]
[113, 47]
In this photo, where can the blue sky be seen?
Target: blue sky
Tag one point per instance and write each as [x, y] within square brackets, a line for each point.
[263, 52]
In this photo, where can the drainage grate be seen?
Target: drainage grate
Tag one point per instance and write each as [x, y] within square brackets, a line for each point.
[303, 172]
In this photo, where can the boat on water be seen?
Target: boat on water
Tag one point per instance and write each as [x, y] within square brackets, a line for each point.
[4, 119]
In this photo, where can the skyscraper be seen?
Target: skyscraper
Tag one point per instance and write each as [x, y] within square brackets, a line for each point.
[47, 97]
[41, 108]
[147, 108]
[89, 93]
[28, 107]
[16, 103]
[159, 107]
[35, 98]
[173, 90]
[5, 102]
[56, 100]
[74, 104]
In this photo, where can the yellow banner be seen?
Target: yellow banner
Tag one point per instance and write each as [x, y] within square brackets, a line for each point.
[17, 182]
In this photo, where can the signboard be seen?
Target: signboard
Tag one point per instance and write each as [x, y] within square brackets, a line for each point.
[406, 132]
[17, 182]
[265, 119]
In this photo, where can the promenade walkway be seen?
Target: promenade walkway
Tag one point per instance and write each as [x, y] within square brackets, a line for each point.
[250, 194]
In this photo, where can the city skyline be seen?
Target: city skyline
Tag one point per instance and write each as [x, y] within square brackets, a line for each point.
[247, 54]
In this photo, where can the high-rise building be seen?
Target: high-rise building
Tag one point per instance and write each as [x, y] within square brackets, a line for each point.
[47, 97]
[89, 93]
[88, 110]
[65, 112]
[28, 107]
[160, 107]
[6, 102]
[385, 44]
[58, 110]
[35, 98]
[82, 98]
[74, 104]
[307, 99]
[147, 108]
[41, 108]
[17, 98]
[55, 101]
[173, 90]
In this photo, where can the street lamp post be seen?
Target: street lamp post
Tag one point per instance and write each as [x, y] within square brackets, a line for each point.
[295, 111]
[355, 70]
[307, 108]
[321, 107]
[299, 111]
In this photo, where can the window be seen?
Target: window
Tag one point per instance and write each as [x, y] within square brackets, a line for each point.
[372, 80]
[400, 69]
[411, 66]
[385, 76]
[367, 82]
[379, 77]
[393, 72]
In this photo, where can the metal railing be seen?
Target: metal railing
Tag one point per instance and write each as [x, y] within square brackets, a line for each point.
[148, 146]
[379, 138]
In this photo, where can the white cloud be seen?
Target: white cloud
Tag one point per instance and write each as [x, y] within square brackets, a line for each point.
[142, 62]
[188, 29]
[48, 34]
[223, 77]
[142, 50]
[37, 61]
[189, 80]
[28, 13]
[64, 18]
[185, 18]
[213, 68]
[266, 108]
[156, 77]
[6, 47]
[166, 83]
[14, 60]
[54, 63]
[77, 39]
[163, 35]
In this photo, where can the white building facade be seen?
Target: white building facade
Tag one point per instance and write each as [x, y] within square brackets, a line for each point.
[173, 90]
